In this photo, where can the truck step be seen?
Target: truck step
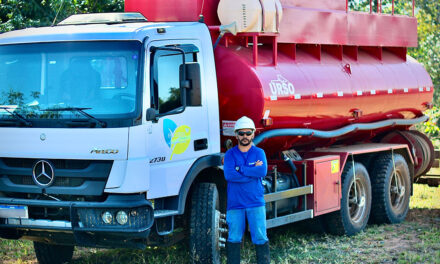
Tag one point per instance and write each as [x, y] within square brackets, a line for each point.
[164, 213]
[295, 192]
[290, 218]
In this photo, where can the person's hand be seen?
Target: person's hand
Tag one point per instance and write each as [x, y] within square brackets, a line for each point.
[258, 163]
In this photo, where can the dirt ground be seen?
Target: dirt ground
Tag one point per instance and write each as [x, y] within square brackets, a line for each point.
[425, 219]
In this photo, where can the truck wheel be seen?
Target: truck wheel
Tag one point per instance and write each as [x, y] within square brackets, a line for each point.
[204, 224]
[391, 193]
[53, 254]
[355, 202]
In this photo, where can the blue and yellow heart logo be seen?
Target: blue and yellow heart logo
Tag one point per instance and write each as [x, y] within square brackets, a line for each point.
[177, 138]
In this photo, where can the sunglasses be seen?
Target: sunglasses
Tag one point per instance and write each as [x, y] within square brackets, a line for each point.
[247, 133]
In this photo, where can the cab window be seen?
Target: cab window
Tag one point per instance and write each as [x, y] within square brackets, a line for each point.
[166, 78]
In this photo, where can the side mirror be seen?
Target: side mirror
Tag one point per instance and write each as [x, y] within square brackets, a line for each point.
[192, 84]
[151, 114]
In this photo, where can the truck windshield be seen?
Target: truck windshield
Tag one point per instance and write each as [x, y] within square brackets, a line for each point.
[100, 76]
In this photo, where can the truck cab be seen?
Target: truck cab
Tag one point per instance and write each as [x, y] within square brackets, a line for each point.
[100, 116]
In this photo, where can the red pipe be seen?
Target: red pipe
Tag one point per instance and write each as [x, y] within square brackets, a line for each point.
[275, 51]
[414, 3]
[392, 9]
[255, 50]
[214, 28]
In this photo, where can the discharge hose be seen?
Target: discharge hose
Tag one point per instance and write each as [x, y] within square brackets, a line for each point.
[338, 132]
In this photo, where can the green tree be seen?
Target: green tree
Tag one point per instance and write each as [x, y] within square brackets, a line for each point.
[18, 14]
[428, 51]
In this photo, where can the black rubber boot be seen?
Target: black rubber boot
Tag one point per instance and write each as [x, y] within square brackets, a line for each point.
[233, 252]
[263, 253]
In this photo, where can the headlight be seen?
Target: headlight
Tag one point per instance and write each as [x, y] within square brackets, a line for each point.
[122, 217]
[107, 217]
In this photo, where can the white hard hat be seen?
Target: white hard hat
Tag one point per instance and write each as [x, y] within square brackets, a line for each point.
[243, 123]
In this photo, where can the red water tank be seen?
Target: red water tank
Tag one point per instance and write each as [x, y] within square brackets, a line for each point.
[324, 93]
[326, 69]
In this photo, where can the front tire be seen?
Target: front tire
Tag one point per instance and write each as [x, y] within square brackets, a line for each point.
[53, 254]
[204, 224]
[391, 193]
[355, 202]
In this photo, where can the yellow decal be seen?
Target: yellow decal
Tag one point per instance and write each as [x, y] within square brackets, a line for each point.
[180, 140]
[335, 166]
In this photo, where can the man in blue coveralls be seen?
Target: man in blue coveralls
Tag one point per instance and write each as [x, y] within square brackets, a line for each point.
[245, 166]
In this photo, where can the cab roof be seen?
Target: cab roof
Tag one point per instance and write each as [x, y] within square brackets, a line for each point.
[96, 32]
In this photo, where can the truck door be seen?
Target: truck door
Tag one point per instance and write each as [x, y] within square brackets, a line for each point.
[178, 132]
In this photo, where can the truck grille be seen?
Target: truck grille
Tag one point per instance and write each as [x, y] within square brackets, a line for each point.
[81, 177]
[27, 180]
[58, 163]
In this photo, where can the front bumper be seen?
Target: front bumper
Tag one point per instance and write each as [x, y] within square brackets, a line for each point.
[83, 225]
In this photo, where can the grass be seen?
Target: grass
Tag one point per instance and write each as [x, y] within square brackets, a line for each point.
[416, 240]
[425, 197]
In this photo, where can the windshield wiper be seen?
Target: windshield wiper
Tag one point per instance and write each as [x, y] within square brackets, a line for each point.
[16, 115]
[79, 110]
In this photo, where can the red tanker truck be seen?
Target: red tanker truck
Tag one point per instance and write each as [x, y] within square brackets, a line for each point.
[116, 136]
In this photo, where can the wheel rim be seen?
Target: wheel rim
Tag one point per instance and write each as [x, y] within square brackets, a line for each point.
[397, 191]
[357, 200]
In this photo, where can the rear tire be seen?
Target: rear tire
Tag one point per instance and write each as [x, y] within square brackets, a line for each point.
[355, 202]
[204, 224]
[391, 194]
[53, 254]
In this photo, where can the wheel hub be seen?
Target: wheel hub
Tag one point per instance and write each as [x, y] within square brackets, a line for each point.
[397, 191]
[357, 201]
[220, 220]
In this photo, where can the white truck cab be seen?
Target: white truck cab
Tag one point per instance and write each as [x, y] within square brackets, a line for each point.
[104, 125]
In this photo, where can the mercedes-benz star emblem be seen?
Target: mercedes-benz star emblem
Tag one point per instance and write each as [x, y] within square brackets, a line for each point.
[43, 174]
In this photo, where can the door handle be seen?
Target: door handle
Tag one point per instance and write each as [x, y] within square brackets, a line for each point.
[200, 144]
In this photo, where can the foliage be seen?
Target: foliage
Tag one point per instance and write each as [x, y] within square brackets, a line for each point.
[428, 52]
[18, 14]
[432, 127]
